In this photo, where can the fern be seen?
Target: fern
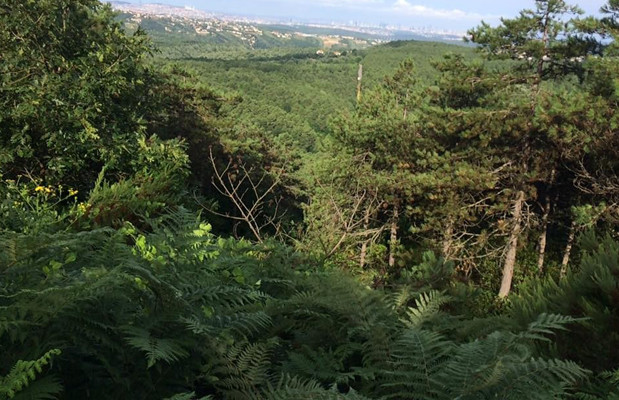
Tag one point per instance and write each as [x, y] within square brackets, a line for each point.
[538, 379]
[243, 369]
[417, 358]
[547, 324]
[425, 364]
[293, 388]
[400, 298]
[237, 321]
[240, 324]
[323, 365]
[588, 294]
[156, 349]
[21, 382]
[188, 396]
[46, 388]
[428, 306]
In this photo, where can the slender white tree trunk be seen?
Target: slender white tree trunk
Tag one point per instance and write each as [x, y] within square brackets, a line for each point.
[568, 249]
[543, 236]
[364, 245]
[393, 242]
[512, 246]
[359, 79]
[448, 240]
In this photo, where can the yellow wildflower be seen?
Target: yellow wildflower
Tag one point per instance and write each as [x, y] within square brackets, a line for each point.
[39, 189]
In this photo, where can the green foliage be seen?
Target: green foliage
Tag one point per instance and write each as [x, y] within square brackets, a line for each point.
[156, 186]
[587, 292]
[156, 349]
[244, 369]
[290, 388]
[22, 381]
[75, 89]
[426, 365]
[152, 289]
[29, 206]
[561, 43]
[47, 47]
[381, 61]
[188, 396]
[139, 299]
[284, 87]
[193, 312]
[432, 272]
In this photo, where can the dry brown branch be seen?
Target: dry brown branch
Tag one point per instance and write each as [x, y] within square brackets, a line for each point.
[248, 195]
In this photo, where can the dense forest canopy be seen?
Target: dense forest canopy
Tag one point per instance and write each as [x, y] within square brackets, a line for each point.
[412, 220]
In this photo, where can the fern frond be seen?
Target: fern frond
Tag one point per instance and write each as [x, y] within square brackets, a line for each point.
[323, 365]
[427, 306]
[46, 388]
[400, 298]
[294, 388]
[242, 323]
[289, 388]
[188, 396]
[539, 379]
[24, 373]
[243, 369]
[418, 356]
[546, 324]
[217, 295]
[469, 363]
[156, 349]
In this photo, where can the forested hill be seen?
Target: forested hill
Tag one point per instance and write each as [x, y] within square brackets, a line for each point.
[188, 220]
[306, 86]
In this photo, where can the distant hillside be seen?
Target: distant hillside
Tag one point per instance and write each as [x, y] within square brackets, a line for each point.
[185, 32]
[191, 37]
[307, 86]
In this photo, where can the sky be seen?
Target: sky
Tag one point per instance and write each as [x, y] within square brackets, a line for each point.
[457, 16]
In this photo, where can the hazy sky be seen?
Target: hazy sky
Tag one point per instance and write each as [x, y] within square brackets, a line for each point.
[440, 14]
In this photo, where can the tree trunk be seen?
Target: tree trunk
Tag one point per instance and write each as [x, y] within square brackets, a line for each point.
[544, 236]
[568, 249]
[363, 255]
[364, 245]
[393, 242]
[448, 240]
[512, 246]
[359, 78]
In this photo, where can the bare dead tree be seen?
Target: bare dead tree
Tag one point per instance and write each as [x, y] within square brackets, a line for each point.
[352, 220]
[372, 235]
[252, 194]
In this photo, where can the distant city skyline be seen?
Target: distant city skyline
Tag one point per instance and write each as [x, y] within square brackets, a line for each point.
[439, 14]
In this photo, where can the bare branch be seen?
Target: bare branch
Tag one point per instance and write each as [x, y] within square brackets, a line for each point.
[247, 195]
